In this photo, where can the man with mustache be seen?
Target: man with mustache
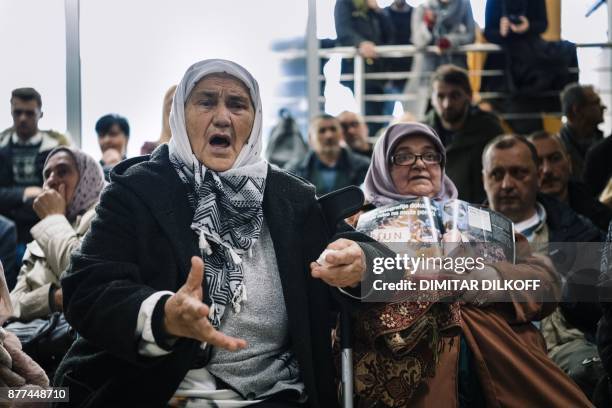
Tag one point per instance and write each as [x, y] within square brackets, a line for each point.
[557, 181]
[512, 177]
[328, 165]
[23, 150]
[463, 128]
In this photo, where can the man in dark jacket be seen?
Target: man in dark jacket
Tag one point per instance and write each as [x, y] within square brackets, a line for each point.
[328, 165]
[511, 178]
[556, 180]
[463, 128]
[584, 110]
[363, 25]
[23, 151]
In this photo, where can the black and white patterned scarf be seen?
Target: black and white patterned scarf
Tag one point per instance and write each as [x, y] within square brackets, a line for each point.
[228, 205]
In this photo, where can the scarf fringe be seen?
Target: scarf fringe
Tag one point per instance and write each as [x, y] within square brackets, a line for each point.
[204, 245]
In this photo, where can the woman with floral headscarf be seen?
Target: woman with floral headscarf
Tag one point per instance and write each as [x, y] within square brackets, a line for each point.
[73, 181]
[472, 349]
[196, 281]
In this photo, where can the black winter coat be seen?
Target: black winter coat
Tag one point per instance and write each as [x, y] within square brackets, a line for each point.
[141, 242]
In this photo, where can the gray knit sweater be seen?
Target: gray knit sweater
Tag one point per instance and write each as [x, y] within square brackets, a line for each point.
[267, 365]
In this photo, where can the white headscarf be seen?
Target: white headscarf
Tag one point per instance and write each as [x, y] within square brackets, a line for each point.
[250, 155]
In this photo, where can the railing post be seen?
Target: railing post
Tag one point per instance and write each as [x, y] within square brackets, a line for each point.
[312, 60]
[359, 83]
[73, 72]
[607, 56]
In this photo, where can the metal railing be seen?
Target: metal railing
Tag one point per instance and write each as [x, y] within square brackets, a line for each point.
[399, 51]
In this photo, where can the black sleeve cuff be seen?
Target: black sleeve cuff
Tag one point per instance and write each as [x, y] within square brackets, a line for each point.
[162, 338]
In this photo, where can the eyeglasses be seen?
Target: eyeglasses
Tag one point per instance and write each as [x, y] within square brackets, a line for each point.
[18, 112]
[408, 159]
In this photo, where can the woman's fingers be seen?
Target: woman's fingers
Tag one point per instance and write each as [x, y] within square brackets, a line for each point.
[202, 330]
[340, 244]
[218, 339]
[338, 276]
[192, 308]
[196, 276]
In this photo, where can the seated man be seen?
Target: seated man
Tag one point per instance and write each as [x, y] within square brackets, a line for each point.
[328, 165]
[113, 136]
[355, 133]
[23, 150]
[583, 110]
[463, 127]
[557, 182]
[511, 178]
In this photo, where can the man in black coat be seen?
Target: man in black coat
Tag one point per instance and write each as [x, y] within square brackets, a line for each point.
[364, 25]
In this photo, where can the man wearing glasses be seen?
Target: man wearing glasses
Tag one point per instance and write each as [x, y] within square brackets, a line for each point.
[328, 165]
[355, 133]
[23, 150]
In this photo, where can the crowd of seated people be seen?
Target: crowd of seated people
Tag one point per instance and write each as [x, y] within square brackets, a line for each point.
[194, 274]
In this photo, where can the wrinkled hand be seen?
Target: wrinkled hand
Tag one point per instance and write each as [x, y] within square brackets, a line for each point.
[31, 192]
[185, 315]
[521, 28]
[50, 202]
[110, 157]
[504, 26]
[345, 268]
[367, 49]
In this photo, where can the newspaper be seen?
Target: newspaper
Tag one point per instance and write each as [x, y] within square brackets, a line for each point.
[433, 228]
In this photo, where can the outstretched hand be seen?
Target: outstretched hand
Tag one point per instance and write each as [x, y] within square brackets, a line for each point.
[185, 315]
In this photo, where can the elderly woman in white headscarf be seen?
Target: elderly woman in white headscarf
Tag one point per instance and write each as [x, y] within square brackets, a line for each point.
[196, 281]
